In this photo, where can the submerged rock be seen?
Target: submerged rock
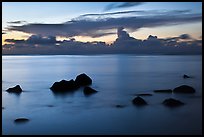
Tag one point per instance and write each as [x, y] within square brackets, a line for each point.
[184, 89]
[186, 76]
[83, 80]
[119, 106]
[143, 94]
[89, 91]
[21, 120]
[16, 89]
[163, 91]
[172, 102]
[64, 85]
[139, 101]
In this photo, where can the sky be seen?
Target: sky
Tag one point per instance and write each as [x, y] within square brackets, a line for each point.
[99, 21]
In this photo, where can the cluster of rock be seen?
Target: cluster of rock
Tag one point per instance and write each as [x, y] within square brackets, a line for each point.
[170, 102]
[81, 80]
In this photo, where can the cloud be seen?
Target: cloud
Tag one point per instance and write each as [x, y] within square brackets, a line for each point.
[85, 25]
[34, 39]
[122, 5]
[124, 44]
[185, 36]
[16, 22]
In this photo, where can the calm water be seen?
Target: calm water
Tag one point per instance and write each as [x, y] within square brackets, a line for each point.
[117, 78]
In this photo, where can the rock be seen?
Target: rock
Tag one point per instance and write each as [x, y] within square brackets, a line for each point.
[172, 102]
[184, 89]
[186, 76]
[119, 106]
[64, 85]
[88, 91]
[16, 89]
[143, 94]
[163, 91]
[139, 101]
[21, 120]
[83, 80]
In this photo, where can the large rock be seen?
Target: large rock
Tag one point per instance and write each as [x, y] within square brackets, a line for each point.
[163, 91]
[21, 120]
[64, 85]
[138, 101]
[89, 91]
[184, 89]
[16, 89]
[83, 80]
[172, 102]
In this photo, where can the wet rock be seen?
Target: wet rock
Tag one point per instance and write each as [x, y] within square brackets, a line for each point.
[163, 91]
[89, 91]
[143, 94]
[172, 102]
[21, 120]
[119, 106]
[64, 85]
[184, 89]
[186, 76]
[16, 89]
[83, 80]
[139, 101]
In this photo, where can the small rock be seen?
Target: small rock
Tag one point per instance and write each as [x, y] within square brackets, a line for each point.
[172, 102]
[143, 94]
[139, 101]
[184, 89]
[88, 91]
[186, 76]
[16, 89]
[163, 91]
[83, 80]
[21, 120]
[119, 106]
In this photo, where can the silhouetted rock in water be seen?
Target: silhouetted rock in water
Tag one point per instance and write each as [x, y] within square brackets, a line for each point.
[186, 76]
[83, 80]
[64, 85]
[172, 102]
[143, 94]
[139, 101]
[163, 91]
[119, 106]
[89, 91]
[16, 89]
[184, 89]
[21, 120]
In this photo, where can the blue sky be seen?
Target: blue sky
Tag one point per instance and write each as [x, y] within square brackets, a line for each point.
[60, 12]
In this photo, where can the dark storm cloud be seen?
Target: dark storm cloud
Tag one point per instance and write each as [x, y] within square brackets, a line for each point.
[185, 36]
[122, 5]
[97, 27]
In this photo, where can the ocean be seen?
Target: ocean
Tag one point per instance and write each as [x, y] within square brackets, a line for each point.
[117, 78]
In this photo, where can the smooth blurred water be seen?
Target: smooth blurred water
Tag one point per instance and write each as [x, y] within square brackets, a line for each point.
[117, 78]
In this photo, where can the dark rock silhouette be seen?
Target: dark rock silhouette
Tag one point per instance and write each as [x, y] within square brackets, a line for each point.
[184, 89]
[163, 91]
[21, 120]
[64, 85]
[16, 89]
[172, 102]
[138, 101]
[83, 80]
[89, 91]
[186, 76]
[119, 106]
[143, 94]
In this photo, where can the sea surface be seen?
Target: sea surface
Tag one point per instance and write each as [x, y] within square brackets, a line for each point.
[117, 78]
